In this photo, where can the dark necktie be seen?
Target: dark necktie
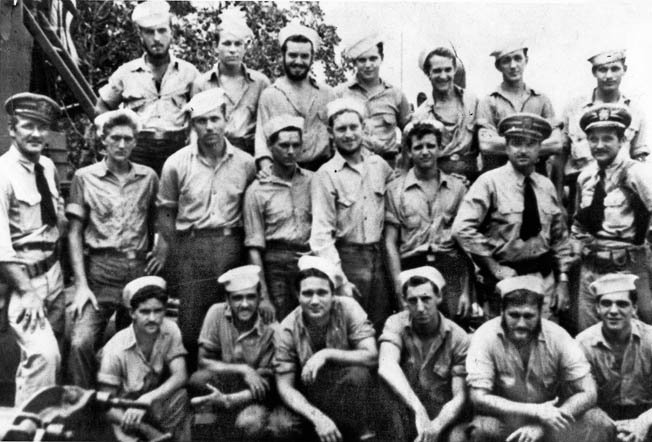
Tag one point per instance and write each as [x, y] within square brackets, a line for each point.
[48, 215]
[596, 209]
[531, 225]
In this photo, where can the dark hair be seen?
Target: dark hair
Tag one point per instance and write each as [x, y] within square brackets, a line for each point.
[595, 68]
[119, 120]
[273, 138]
[297, 39]
[620, 132]
[147, 293]
[257, 289]
[307, 273]
[633, 296]
[416, 281]
[441, 52]
[497, 62]
[381, 49]
[331, 119]
[522, 297]
[420, 130]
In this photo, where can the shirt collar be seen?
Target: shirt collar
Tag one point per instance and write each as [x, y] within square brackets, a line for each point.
[130, 338]
[500, 91]
[599, 339]
[501, 331]
[284, 84]
[215, 72]
[258, 325]
[22, 159]
[228, 151]
[412, 180]
[354, 82]
[298, 173]
[444, 325]
[102, 169]
[339, 161]
[142, 65]
[590, 100]
[430, 101]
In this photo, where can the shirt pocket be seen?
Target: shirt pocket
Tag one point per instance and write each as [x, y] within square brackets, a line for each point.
[615, 209]
[28, 209]
[134, 97]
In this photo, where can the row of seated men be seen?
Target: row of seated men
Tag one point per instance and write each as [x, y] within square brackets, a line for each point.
[319, 374]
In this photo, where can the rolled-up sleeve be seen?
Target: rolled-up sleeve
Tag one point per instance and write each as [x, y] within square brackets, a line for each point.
[574, 364]
[286, 359]
[111, 93]
[110, 372]
[485, 115]
[358, 325]
[472, 213]
[392, 331]
[324, 217]
[254, 220]
[264, 113]
[76, 205]
[480, 368]
[7, 252]
[176, 348]
[209, 336]
[168, 191]
[460, 352]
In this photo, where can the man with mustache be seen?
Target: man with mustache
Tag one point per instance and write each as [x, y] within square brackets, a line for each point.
[614, 202]
[511, 222]
[31, 222]
[242, 86]
[235, 373]
[156, 86]
[528, 379]
[298, 94]
[111, 211]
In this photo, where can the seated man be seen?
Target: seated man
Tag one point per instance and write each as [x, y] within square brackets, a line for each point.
[235, 361]
[422, 357]
[324, 351]
[145, 362]
[619, 349]
[528, 379]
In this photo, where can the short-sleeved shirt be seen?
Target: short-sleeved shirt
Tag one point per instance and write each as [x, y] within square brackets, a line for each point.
[159, 108]
[347, 327]
[280, 99]
[218, 335]
[278, 210]
[240, 110]
[206, 197]
[387, 110]
[20, 207]
[116, 214]
[348, 203]
[630, 383]
[493, 363]
[123, 364]
[489, 220]
[423, 222]
[635, 135]
[627, 182]
[429, 371]
[457, 136]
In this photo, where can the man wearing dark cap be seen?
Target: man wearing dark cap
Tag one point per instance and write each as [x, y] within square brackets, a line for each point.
[511, 222]
[614, 201]
[31, 218]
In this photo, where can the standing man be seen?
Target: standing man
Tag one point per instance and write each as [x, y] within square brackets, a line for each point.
[619, 349]
[298, 94]
[387, 107]
[421, 207]
[111, 212]
[614, 202]
[156, 86]
[528, 379]
[510, 97]
[278, 215]
[242, 86]
[348, 205]
[200, 213]
[511, 222]
[422, 357]
[455, 108]
[31, 221]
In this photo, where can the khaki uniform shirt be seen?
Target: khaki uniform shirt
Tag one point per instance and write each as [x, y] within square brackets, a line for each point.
[206, 197]
[116, 214]
[278, 210]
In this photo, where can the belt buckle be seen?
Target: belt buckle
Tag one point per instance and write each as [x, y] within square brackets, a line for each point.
[158, 135]
[455, 157]
[131, 254]
[227, 231]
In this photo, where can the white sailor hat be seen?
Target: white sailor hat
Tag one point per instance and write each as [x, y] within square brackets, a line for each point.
[532, 283]
[205, 102]
[294, 28]
[423, 55]
[234, 23]
[427, 272]
[240, 278]
[279, 122]
[151, 13]
[362, 44]
[609, 56]
[613, 283]
[110, 116]
[346, 103]
[138, 284]
[318, 263]
[508, 47]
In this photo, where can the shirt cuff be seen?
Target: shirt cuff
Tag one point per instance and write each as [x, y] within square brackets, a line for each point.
[76, 210]
[284, 367]
[255, 241]
[108, 379]
[167, 204]
[485, 384]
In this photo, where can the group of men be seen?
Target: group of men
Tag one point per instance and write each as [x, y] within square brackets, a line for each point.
[294, 202]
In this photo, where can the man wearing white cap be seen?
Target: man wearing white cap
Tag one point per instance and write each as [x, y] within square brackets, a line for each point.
[510, 97]
[242, 86]
[200, 213]
[278, 215]
[422, 357]
[156, 86]
[324, 351]
[348, 209]
[455, 108]
[145, 362]
[619, 349]
[387, 107]
[111, 211]
[235, 360]
[528, 379]
[297, 93]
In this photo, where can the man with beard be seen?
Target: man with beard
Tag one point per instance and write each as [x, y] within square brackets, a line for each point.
[235, 360]
[619, 349]
[387, 107]
[528, 379]
[348, 210]
[298, 94]
[156, 86]
[277, 215]
[511, 222]
[31, 222]
[510, 97]
[200, 213]
[242, 86]
[455, 108]
[614, 203]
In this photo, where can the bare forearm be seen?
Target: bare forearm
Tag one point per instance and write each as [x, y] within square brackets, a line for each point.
[579, 403]
[256, 258]
[451, 411]
[298, 403]
[16, 276]
[165, 223]
[351, 357]
[167, 388]
[497, 406]
[552, 145]
[491, 143]
[394, 267]
[75, 243]
[222, 368]
[395, 378]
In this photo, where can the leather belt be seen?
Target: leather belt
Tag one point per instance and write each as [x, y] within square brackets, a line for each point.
[109, 251]
[541, 264]
[612, 260]
[40, 267]
[286, 245]
[216, 232]
[40, 245]
[176, 137]
[359, 246]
